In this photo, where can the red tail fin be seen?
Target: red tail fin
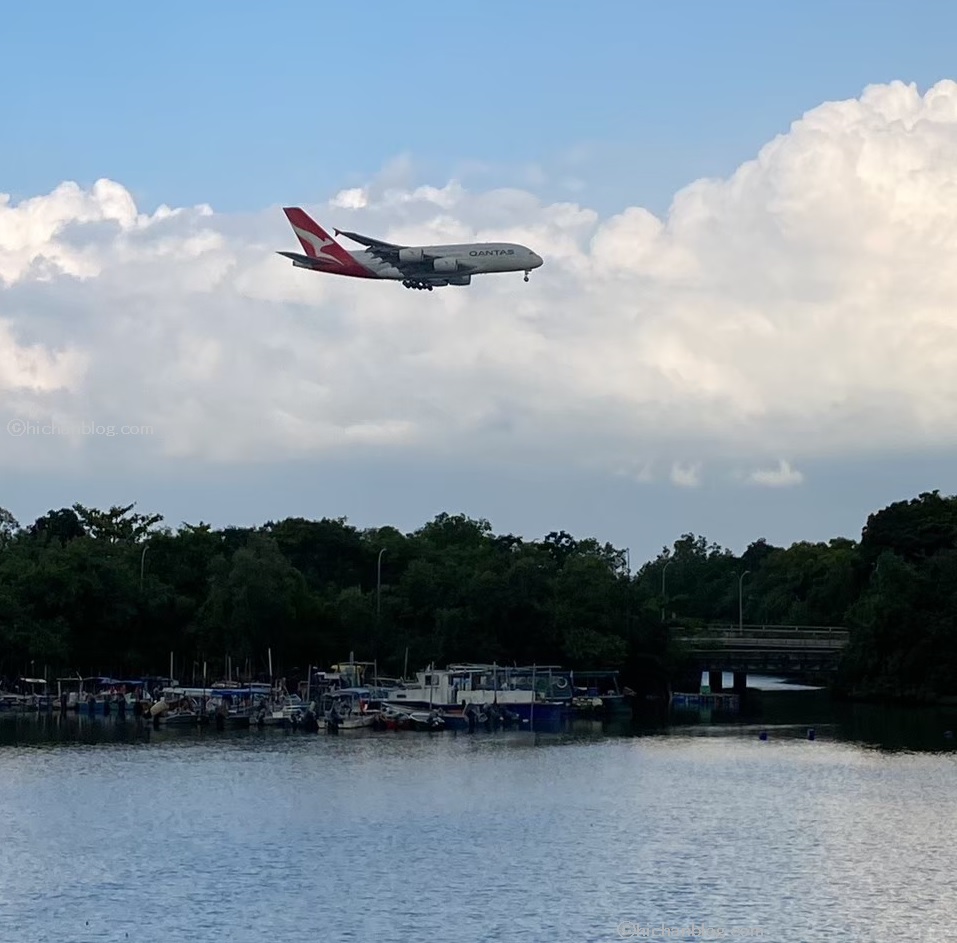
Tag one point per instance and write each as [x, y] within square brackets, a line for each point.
[316, 242]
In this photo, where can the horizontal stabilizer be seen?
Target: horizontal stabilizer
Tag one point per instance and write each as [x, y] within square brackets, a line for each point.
[302, 261]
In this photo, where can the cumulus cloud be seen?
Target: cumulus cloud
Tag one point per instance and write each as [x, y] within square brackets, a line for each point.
[781, 477]
[803, 306]
[686, 476]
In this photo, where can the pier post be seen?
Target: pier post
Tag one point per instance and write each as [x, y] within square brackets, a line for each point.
[740, 682]
[716, 681]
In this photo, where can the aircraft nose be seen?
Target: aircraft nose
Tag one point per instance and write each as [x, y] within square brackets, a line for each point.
[537, 260]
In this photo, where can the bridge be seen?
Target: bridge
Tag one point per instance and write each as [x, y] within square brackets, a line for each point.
[764, 649]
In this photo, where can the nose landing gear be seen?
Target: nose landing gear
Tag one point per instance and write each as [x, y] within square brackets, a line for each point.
[526, 274]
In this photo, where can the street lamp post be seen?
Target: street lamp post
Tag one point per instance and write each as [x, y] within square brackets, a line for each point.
[665, 570]
[143, 563]
[628, 590]
[741, 602]
[378, 585]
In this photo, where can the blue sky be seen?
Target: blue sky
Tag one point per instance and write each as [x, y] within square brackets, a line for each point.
[249, 106]
[607, 104]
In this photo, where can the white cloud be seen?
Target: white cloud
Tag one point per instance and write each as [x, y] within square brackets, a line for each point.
[781, 477]
[352, 199]
[641, 472]
[804, 306]
[35, 368]
[686, 476]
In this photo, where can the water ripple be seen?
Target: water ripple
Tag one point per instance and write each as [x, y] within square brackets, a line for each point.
[263, 836]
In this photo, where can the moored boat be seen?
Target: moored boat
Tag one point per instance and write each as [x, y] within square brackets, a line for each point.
[347, 709]
[598, 693]
[534, 696]
[285, 711]
[175, 712]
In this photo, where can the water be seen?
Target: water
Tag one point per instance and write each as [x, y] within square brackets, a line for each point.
[107, 835]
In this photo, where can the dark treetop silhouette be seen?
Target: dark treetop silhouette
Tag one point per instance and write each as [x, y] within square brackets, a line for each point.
[114, 592]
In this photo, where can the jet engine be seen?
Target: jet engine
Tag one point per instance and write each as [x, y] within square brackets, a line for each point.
[460, 280]
[445, 265]
[410, 255]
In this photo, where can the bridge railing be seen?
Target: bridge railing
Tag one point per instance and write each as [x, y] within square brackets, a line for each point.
[788, 632]
[743, 643]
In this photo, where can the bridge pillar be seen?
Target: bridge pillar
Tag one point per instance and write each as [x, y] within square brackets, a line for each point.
[716, 681]
[740, 682]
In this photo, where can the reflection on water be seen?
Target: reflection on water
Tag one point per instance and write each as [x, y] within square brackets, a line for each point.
[48, 727]
[779, 710]
[113, 831]
[769, 683]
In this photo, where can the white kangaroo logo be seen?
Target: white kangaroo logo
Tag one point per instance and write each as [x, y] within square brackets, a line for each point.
[319, 245]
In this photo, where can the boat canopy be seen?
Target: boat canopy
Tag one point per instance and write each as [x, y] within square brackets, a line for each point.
[239, 692]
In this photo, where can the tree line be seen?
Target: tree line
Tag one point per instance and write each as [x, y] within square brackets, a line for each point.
[89, 591]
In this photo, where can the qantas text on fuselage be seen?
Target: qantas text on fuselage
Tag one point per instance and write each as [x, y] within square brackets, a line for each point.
[415, 266]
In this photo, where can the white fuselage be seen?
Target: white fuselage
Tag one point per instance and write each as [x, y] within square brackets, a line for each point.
[420, 267]
[453, 261]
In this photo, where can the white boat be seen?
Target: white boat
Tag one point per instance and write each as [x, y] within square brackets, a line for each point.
[537, 694]
[99, 694]
[179, 712]
[288, 711]
[347, 709]
[12, 702]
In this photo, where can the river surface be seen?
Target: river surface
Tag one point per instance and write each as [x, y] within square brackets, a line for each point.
[111, 833]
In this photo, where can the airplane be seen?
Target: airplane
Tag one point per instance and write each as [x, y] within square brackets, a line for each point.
[421, 267]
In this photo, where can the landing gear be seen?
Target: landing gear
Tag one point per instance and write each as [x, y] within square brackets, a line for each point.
[526, 274]
[420, 285]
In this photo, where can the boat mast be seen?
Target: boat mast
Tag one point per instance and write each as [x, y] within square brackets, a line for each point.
[531, 710]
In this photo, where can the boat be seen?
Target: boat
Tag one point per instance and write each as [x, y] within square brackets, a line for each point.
[102, 695]
[176, 712]
[347, 709]
[535, 696]
[598, 692]
[10, 701]
[427, 720]
[231, 707]
[356, 674]
[282, 711]
[389, 717]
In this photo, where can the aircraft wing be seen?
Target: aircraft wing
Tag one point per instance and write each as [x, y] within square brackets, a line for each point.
[368, 240]
[389, 252]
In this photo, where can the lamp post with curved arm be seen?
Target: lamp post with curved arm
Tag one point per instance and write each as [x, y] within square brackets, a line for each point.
[665, 570]
[741, 601]
[378, 585]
